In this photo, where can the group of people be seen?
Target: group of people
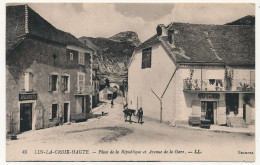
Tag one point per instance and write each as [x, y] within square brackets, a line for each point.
[139, 113]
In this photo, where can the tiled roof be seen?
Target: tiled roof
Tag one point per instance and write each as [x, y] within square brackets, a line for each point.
[22, 21]
[195, 43]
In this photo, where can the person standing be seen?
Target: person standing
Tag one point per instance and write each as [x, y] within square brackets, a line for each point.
[112, 103]
[140, 115]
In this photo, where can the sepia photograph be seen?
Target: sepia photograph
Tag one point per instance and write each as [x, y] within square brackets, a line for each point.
[120, 82]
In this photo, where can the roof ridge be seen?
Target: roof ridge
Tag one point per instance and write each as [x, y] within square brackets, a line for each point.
[197, 24]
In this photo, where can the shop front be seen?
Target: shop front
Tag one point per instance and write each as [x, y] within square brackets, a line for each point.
[223, 108]
[209, 107]
[26, 104]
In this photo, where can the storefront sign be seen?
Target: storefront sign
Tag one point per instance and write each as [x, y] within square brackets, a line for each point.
[208, 95]
[27, 96]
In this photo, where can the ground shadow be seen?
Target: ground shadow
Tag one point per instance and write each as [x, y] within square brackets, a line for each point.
[117, 132]
[99, 115]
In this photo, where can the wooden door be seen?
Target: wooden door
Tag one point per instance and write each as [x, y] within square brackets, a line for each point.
[25, 117]
[66, 108]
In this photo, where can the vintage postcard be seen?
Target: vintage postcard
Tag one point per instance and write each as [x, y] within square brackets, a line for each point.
[130, 82]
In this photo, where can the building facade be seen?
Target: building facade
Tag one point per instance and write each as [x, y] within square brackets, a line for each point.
[188, 70]
[108, 93]
[48, 73]
[95, 82]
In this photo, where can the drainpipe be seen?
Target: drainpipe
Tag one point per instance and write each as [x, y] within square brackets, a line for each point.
[160, 99]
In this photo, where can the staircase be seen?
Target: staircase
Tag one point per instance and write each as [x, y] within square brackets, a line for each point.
[236, 122]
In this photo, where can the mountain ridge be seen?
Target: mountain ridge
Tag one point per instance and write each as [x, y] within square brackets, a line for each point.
[112, 54]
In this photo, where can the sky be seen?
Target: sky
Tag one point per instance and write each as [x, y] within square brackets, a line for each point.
[107, 19]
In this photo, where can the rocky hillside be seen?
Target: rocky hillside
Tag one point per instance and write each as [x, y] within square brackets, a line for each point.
[126, 36]
[113, 54]
[247, 20]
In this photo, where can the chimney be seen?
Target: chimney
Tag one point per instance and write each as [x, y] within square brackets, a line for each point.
[161, 30]
[171, 36]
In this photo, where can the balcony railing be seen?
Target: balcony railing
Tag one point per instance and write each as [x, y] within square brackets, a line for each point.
[84, 90]
[218, 85]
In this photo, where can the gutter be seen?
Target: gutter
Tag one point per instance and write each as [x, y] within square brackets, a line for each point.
[160, 98]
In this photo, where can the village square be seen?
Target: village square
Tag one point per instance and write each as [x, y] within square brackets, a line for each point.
[188, 90]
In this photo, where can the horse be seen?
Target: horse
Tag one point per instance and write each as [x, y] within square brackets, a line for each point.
[128, 112]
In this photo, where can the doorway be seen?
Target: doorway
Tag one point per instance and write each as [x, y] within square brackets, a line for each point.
[232, 103]
[80, 104]
[109, 96]
[25, 117]
[207, 111]
[66, 110]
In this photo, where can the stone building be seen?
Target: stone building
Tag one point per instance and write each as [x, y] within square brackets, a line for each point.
[191, 70]
[48, 73]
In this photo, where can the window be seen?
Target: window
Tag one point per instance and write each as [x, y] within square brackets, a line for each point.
[81, 81]
[96, 85]
[71, 56]
[64, 83]
[146, 58]
[215, 84]
[81, 58]
[53, 83]
[28, 81]
[54, 111]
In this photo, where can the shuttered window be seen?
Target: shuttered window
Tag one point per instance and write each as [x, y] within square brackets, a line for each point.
[54, 111]
[53, 82]
[146, 58]
[71, 56]
[64, 83]
[81, 79]
[81, 58]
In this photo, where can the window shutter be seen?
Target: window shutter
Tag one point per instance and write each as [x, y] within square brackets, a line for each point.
[68, 84]
[58, 82]
[60, 110]
[26, 81]
[50, 82]
[50, 112]
[30, 81]
[84, 80]
[62, 83]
